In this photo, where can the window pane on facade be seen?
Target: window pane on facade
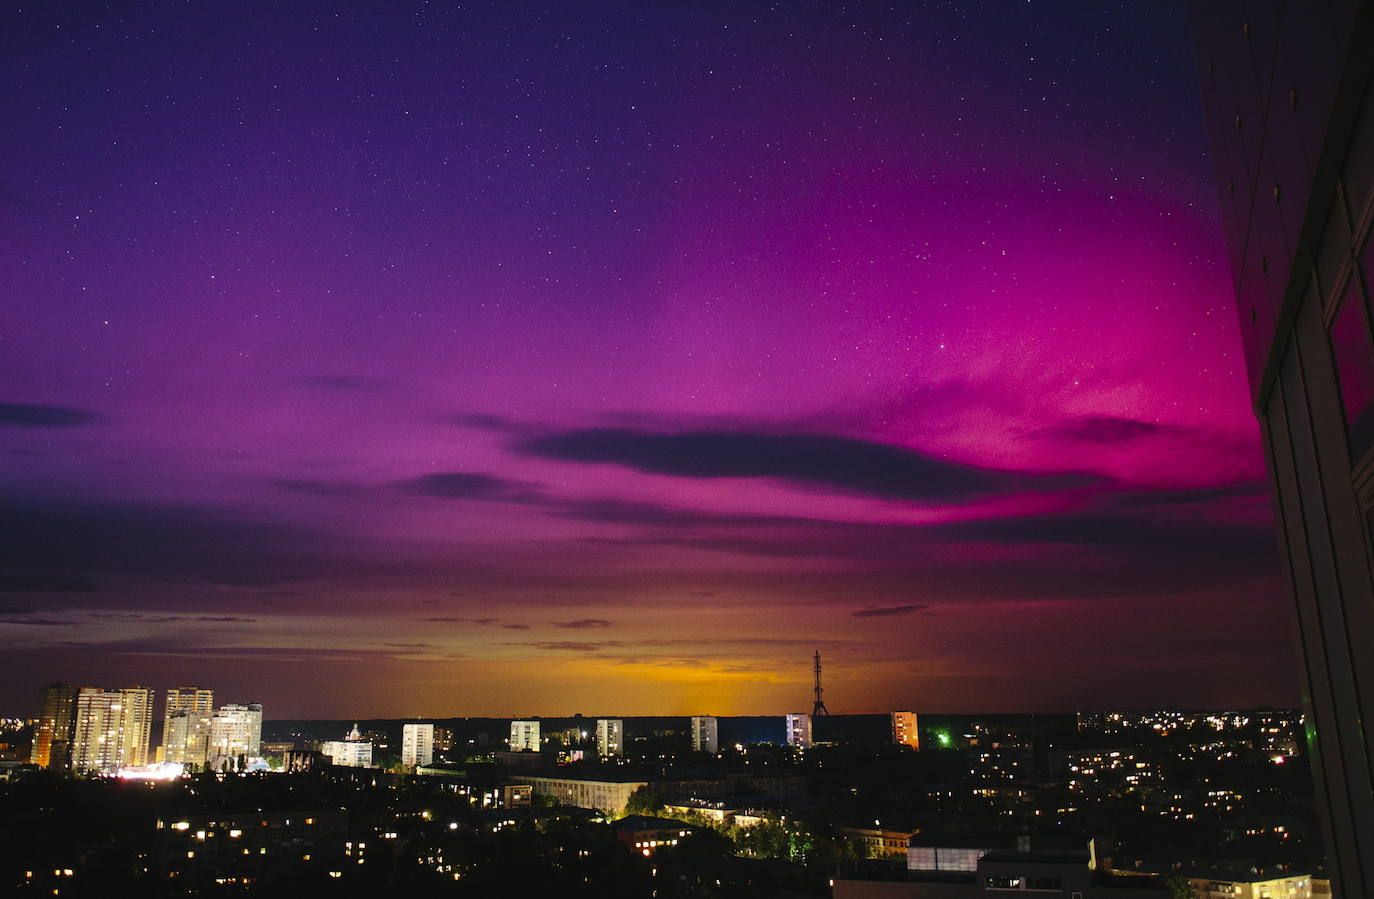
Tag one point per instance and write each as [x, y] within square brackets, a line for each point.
[1354, 358]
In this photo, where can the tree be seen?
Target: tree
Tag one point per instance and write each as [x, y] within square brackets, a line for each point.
[644, 801]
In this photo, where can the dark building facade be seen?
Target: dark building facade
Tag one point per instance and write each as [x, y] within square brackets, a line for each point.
[1290, 115]
[52, 736]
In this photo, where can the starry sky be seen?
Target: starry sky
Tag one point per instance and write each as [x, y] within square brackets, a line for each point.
[520, 358]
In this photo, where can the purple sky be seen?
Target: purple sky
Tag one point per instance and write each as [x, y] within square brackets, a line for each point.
[513, 358]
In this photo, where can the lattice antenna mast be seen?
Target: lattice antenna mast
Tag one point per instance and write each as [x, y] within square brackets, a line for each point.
[819, 708]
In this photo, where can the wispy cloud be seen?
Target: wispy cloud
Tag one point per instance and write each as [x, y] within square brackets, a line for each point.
[889, 611]
[583, 623]
[33, 415]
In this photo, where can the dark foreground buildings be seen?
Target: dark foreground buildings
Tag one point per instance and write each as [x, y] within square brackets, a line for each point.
[1290, 114]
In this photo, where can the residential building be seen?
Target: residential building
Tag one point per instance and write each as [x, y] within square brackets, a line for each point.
[646, 835]
[705, 734]
[905, 731]
[1288, 95]
[610, 737]
[52, 737]
[186, 725]
[799, 730]
[351, 752]
[1249, 884]
[235, 733]
[524, 736]
[417, 745]
[879, 842]
[226, 851]
[112, 729]
[609, 796]
[1069, 874]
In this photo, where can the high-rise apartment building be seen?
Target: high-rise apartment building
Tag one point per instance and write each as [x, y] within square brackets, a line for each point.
[1290, 116]
[112, 729]
[417, 745]
[235, 733]
[904, 730]
[524, 736]
[799, 730]
[610, 737]
[705, 734]
[186, 725]
[52, 738]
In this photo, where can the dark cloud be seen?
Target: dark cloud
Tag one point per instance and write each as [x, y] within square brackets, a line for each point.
[516, 627]
[1104, 429]
[613, 511]
[470, 485]
[46, 583]
[481, 421]
[448, 619]
[345, 383]
[32, 415]
[165, 619]
[313, 487]
[889, 611]
[46, 541]
[584, 623]
[845, 464]
[573, 645]
[35, 622]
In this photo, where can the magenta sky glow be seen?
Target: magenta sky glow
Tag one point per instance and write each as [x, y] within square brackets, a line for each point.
[523, 359]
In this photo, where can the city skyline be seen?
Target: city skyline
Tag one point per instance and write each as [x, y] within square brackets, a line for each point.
[484, 362]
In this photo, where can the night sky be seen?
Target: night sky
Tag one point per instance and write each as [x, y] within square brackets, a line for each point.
[504, 358]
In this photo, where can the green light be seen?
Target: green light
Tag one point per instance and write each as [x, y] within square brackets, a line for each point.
[942, 737]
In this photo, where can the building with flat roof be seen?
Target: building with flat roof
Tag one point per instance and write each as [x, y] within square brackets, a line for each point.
[646, 834]
[705, 734]
[610, 737]
[524, 736]
[235, 733]
[905, 731]
[112, 729]
[608, 796]
[879, 842]
[1249, 885]
[417, 745]
[799, 730]
[1070, 874]
[351, 752]
[52, 736]
[186, 725]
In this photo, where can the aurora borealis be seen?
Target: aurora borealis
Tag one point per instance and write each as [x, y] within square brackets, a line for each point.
[541, 358]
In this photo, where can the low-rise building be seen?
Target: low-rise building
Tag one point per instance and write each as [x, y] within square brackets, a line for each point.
[646, 835]
[608, 796]
[351, 752]
[879, 842]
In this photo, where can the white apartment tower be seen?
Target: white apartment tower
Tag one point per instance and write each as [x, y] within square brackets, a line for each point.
[186, 724]
[417, 745]
[705, 734]
[112, 729]
[799, 730]
[610, 737]
[236, 731]
[524, 736]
